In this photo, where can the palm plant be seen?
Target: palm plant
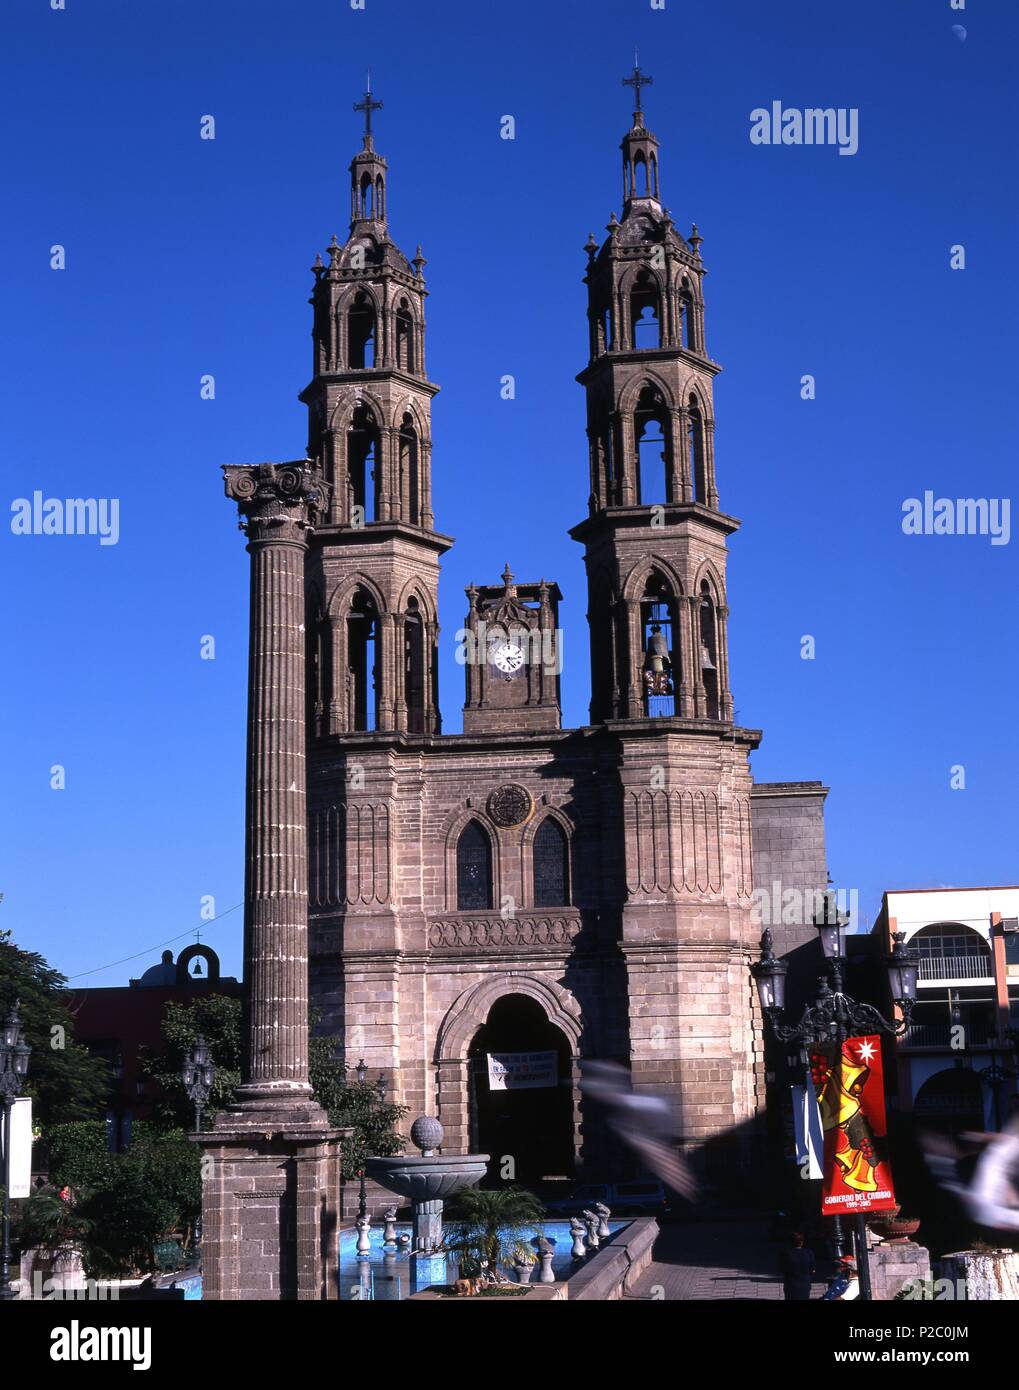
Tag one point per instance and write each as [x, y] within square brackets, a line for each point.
[481, 1221]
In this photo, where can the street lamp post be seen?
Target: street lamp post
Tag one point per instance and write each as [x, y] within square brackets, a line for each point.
[834, 1016]
[197, 1073]
[14, 1052]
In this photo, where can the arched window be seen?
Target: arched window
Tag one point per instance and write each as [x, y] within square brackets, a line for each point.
[410, 488]
[362, 664]
[404, 337]
[650, 439]
[952, 951]
[686, 323]
[551, 865]
[641, 183]
[611, 478]
[695, 451]
[317, 679]
[473, 869]
[367, 204]
[709, 650]
[363, 470]
[662, 667]
[644, 317]
[414, 667]
[361, 332]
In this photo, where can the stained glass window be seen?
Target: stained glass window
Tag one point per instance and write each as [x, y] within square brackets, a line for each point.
[473, 869]
[551, 866]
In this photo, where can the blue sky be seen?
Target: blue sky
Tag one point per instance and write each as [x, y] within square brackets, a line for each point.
[187, 257]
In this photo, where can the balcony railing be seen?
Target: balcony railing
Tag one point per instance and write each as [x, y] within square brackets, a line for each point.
[940, 1035]
[956, 967]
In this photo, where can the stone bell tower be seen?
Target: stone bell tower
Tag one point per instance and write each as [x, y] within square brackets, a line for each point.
[373, 568]
[655, 551]
[658, 631]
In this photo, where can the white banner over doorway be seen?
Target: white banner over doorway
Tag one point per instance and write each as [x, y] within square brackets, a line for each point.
[518, 1071]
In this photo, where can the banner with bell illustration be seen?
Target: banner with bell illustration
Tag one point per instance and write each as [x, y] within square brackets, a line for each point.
[851, 1098]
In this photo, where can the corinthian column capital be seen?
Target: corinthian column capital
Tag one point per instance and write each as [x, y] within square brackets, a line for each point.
[278, 503]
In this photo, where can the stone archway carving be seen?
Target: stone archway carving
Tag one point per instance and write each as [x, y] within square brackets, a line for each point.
[471, 1008]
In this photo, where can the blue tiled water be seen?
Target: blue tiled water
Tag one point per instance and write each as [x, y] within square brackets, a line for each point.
[385, 1275]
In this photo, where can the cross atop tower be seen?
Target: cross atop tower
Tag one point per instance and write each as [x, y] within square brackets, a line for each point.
[637, 81]
[368, 106]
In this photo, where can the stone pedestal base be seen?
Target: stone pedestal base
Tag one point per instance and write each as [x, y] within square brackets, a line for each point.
[428, 1225]
[270, 1191]
[896, 1265]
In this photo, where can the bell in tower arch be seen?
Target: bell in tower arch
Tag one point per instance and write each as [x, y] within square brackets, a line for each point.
[657, 663]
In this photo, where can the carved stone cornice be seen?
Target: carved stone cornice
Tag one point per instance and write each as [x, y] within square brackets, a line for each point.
[278, 503]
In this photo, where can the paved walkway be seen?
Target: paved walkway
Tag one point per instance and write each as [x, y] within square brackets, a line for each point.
[727, 1259]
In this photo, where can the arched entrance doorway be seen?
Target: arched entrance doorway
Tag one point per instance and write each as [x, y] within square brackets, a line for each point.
[521, 1091]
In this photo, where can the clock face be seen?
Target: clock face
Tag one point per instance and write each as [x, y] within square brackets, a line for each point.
[508, 657]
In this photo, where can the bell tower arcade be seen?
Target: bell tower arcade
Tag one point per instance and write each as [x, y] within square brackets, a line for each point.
[655, 536]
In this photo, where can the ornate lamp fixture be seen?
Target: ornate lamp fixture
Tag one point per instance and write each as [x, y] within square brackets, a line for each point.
[197, 1073]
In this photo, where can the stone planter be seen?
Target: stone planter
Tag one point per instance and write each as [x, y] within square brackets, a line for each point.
[523, 1273]
[895, 1228]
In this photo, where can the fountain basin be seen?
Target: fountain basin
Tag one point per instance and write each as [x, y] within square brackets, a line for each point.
[427, 1177]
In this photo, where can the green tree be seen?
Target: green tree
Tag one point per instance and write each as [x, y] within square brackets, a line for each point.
[480, 1222]
[118, 1205]
[79, 1155]
[355, 1105]
[64, 1080]
[217, 1017]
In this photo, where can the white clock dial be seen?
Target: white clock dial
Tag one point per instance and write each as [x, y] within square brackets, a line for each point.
[508, 657]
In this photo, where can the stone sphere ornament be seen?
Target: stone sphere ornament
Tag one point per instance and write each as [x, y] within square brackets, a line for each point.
[427, 1133]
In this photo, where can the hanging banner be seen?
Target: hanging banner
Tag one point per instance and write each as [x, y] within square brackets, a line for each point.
[21, 1147]
[809, 1135]
[851, 1098]
[517, 1071]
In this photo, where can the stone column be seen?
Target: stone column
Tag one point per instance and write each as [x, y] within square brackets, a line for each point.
[271, 1179]
[276, 505]
[709, 464]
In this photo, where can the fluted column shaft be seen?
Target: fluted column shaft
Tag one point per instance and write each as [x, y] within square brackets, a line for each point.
[276, 505]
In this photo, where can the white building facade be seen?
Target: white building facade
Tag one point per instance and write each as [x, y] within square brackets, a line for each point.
[956, 1064]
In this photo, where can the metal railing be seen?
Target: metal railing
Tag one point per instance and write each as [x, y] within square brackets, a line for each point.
[956, 967]
[940, 1035]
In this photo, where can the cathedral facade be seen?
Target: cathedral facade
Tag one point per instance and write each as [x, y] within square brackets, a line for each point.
[522, 891]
